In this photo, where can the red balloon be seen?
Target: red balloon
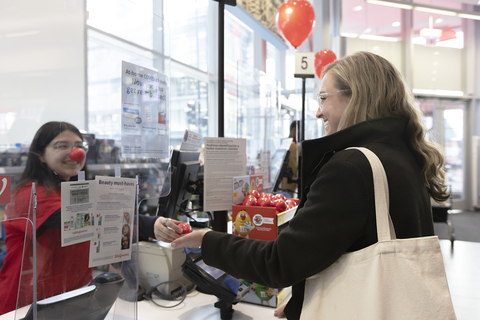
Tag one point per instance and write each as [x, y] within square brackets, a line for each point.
[295, 20]
[322, 58]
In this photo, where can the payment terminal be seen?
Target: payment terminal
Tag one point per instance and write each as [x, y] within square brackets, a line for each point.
[214, 281]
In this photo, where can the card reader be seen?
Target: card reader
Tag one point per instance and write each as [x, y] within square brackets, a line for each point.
[212, 280]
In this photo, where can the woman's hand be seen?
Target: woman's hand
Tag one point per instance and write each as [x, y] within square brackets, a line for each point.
[167, 229]
[191, 240]
[279, 312]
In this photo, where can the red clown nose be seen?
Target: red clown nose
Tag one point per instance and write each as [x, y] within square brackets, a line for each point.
[77, 154]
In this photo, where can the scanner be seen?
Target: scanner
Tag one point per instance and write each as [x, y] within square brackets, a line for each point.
[87, 303]
[214, 281]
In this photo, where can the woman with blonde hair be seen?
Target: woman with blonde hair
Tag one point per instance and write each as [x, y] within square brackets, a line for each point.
[363, 102]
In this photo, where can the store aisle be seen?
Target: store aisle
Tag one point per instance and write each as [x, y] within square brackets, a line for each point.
[462, 265]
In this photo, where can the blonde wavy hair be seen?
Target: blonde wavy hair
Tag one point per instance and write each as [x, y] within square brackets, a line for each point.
[377, 90]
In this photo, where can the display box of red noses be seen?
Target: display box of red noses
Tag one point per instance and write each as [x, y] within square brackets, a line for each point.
[256, 222]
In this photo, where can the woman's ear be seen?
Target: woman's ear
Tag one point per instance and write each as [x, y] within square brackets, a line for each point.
[42, 159]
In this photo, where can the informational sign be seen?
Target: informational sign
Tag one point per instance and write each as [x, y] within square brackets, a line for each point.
[145, 119]
[191, 141]
[115, 208]
[304, 63]
[242, 185]
[78, 219]
[225, 159]
[100, 211]
[5, 189]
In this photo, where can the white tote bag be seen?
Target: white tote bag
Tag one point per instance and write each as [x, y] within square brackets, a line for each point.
[391, 279]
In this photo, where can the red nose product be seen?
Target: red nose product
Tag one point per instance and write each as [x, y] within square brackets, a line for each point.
[185, 227]
[77, 155]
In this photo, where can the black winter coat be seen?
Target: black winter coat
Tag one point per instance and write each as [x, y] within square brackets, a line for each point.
[336, 213]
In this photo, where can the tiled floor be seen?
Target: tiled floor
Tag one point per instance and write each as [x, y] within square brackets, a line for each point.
[462, 265]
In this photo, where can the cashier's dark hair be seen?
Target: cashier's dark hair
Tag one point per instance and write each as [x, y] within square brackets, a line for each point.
[377, 90]
[38, 171]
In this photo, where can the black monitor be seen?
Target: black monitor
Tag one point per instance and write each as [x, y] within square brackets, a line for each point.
[184, 166]
[278, 167]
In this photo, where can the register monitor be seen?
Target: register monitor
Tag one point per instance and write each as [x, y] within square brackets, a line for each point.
[278, 167]
[184, 166]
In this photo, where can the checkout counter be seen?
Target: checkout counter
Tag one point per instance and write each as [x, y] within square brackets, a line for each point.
[158, 263]
[196, 306]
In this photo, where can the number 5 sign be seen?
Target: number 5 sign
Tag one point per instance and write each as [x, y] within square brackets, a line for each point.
[5, 189]
[304, 64]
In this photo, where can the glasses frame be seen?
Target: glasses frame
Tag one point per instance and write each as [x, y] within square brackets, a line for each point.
[325, 94]
[72, 146]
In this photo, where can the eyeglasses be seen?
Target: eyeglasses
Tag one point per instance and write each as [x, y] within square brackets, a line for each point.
[321, 97]
[67, 145]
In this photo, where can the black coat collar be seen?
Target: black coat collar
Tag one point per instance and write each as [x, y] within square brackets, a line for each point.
[316, 152]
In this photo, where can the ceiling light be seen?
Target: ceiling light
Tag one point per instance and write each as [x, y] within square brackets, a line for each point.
[380, 38]
[22, 34]
[357, 8]
[439, 20]
[469, 16]
[391, 4]
[430, 33]
[396, 24]
[437, 11]
[438, 92]
[427, 8]
[349, 35]
[368, 30]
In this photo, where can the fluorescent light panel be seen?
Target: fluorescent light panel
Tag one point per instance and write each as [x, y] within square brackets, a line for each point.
[436, 11]
[391, 4]
[426, 8]
[349, 35]
[469, 16]
[439, 92]
[381, 38]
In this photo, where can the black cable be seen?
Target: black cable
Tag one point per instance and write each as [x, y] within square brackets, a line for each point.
[179, 296]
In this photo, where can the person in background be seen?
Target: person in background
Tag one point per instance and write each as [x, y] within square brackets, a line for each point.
[363, 102]
[292, 167]
[59, 269]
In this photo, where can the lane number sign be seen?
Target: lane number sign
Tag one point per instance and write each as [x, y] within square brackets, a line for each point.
[304, 63]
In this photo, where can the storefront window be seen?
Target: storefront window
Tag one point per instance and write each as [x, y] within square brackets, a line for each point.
[238, 49]
[188, 21]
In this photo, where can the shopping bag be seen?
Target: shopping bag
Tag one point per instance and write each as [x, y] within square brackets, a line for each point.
[391, 279]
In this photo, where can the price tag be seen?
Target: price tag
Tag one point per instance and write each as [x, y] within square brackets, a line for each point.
[305, 63]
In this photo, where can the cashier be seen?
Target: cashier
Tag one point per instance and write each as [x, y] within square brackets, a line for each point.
[59, 269]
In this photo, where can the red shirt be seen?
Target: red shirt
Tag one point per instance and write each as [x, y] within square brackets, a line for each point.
[59, 269]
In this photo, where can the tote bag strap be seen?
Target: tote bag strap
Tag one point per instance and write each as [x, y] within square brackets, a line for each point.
[385, 230]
